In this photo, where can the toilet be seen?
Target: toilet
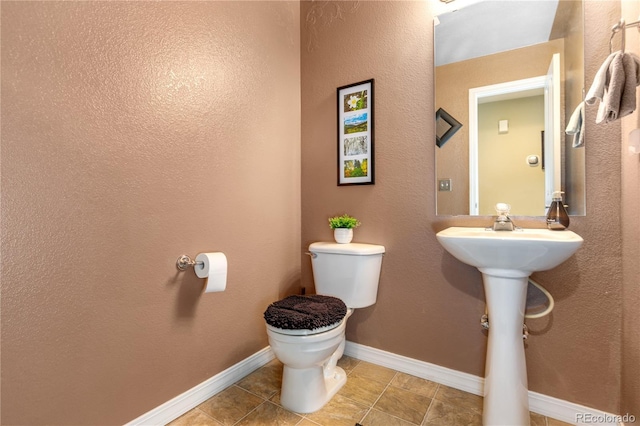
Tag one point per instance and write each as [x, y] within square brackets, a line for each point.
[307, 333]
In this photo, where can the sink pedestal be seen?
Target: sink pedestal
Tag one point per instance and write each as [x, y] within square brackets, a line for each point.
[506, 397]
[506, 259]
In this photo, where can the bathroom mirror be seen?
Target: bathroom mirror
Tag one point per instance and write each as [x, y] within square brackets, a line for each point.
[512, 73]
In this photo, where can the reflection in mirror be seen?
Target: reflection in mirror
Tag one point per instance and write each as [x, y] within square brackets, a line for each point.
[512, 73]
[446, 126]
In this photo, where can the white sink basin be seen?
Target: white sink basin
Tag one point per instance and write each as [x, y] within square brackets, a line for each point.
[526, 250]
[506, 259]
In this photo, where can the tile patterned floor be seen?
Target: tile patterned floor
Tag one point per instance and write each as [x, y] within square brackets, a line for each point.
[372, 396]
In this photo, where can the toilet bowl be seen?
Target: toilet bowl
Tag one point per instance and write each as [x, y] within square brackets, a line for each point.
[310, 377]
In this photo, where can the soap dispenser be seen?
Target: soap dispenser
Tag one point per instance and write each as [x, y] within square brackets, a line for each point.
[557, 217]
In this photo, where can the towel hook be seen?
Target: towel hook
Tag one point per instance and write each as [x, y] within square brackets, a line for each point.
[619, 27]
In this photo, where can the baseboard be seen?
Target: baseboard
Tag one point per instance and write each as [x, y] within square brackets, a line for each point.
[435, 373]
[195, 396]
[542, 404]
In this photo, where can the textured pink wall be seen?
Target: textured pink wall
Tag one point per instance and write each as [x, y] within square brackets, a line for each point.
[134, 132]
[631, 242]
[429, 304]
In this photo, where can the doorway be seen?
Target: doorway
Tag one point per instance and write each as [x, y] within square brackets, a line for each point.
[549, 87]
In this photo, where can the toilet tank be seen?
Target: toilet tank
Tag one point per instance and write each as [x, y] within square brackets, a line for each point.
[350, 272]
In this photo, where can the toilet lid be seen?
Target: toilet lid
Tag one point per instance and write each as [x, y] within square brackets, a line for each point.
[313, 312]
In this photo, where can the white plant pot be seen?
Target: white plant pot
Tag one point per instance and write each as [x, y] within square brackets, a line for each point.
[343, 235]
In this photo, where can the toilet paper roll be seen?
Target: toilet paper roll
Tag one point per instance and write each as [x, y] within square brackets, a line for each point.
[214, 269]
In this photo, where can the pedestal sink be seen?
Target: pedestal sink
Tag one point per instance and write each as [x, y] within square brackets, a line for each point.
[506, 259]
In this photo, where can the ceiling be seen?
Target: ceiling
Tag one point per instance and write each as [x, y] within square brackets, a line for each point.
[491, 26]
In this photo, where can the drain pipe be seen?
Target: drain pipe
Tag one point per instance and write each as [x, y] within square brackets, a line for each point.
[484, 320]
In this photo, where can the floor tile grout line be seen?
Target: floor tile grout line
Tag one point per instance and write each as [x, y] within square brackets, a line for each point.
[382, 393]
[424, 419]
[309, 420]
[396, 417]
[390, 384]
[370, 406]
[455, 404]
[385, 389]
[249, 412]
[255, 394]
[206, 414]
[266, 401]
[365, 415]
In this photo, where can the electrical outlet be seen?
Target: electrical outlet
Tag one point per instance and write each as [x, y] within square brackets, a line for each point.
[444, 184]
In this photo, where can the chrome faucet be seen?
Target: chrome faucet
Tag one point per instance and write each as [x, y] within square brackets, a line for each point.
[503, 221]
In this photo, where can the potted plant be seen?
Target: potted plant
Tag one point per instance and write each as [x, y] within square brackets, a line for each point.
[343, 227]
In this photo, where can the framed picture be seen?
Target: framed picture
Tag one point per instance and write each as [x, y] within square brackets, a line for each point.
[446, 126]
[355, 134]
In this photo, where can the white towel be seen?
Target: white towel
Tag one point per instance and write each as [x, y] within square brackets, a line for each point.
[609, 108]
[636, 59]
[628, 97]
[575, 126]
[600, 81]
[615, 87]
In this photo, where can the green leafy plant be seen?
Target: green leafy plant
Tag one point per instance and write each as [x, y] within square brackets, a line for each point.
[344, 221]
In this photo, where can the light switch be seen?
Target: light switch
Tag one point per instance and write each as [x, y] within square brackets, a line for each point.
[503, 126]
[444, 184]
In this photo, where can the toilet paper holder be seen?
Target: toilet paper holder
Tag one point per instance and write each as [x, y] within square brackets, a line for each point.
[185, 261]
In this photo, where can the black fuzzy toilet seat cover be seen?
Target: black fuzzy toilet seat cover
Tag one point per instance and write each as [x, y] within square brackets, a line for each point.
[305, 312]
